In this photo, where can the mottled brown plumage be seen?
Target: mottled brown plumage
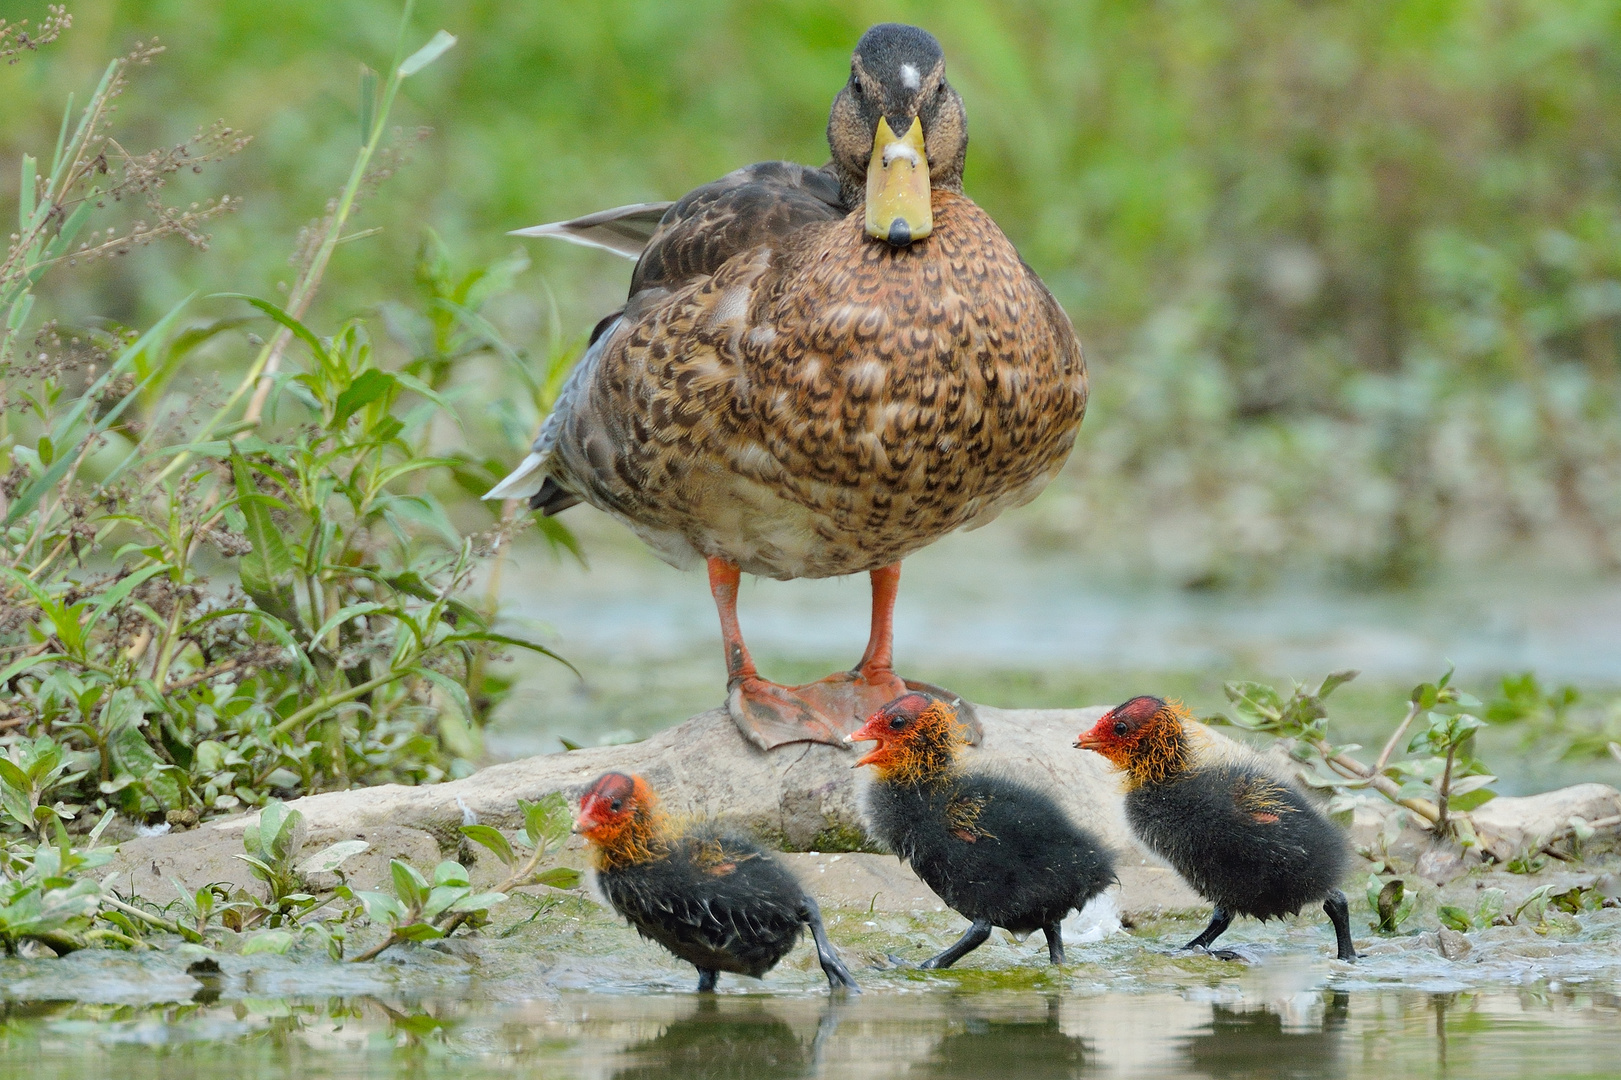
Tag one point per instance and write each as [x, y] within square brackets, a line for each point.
[787, 395]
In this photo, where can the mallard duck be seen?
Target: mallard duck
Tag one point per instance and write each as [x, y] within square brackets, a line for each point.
[1248, 841]
[817, 372]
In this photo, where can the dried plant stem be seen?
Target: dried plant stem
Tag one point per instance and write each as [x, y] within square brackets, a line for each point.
[1395, 738]
[1384, 785]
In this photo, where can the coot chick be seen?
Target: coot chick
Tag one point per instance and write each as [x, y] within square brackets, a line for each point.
[1250, 843]
[715, 900]
[998, 851]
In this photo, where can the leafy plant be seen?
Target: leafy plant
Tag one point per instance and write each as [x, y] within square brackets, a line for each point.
[419, 911]
[1560, 722]
[207, 606]
[1436, 786]
[1390, 903]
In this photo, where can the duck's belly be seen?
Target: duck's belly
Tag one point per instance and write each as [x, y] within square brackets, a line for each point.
[755, 526]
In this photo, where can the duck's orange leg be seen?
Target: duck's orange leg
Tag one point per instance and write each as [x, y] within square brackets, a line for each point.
[770, 715]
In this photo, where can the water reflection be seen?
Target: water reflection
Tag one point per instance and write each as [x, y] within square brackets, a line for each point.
[1272, 1042]
[746, 1042]
[1253, 1026]
[1033, 1048]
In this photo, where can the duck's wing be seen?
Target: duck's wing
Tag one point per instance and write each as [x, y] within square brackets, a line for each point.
[756, 205]
[624, 230]
[752, 207]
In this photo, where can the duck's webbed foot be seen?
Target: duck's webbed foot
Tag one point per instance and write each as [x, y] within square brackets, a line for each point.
[972, 939]
[770, 715]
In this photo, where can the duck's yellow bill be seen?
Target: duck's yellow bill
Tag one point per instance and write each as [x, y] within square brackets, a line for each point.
[898, 186]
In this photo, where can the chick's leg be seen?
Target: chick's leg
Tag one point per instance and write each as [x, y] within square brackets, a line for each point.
[972, 939]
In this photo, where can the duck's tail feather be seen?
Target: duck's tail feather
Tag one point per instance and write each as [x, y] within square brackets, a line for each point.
[526, 481]
[624, 230]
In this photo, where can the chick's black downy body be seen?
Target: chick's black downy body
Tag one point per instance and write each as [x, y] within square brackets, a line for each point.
[1249, 842]
[1000, 852]
[1260, 848]
[721, 903]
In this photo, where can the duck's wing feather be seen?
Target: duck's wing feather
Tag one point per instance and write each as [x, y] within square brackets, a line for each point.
[755, 205]
[624, 230]
[685, 242]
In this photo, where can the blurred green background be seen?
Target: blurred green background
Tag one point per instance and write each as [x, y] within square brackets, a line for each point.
[1349, 274]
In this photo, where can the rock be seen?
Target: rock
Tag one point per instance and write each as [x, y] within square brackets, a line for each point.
[801, 796]
[798, 797]
[1452, 945]
[148, 866]
[1509, 826]
[1441, 863]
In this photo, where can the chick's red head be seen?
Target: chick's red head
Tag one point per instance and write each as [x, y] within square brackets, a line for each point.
[1127, 732]
[917, 734]
[610, 804]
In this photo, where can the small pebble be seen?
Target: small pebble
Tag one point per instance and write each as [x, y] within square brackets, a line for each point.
[1453, 945]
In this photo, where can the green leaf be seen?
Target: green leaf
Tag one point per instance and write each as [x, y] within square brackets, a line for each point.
[1453, 918]
[353, 611]
[492, 839]
[269, 941]
[1334, 680]
[333, 856]
[479, 901]
[419, 931]
[547, 820]
[441, 897]
[450, 872]
[262, 569]
[409, 885]
[559, 877]
[371, 385]
[299, 330]
[381, 907]
[436, 47]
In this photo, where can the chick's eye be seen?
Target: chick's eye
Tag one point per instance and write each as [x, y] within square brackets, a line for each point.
[616, 805]
[897, 722]
[1119, 727]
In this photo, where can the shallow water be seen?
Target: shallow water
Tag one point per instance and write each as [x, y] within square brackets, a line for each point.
[585, 999]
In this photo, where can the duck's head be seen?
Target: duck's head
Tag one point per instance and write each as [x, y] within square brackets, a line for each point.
[918, 737]
[618, 817]
[896, 130]
[1144, 736]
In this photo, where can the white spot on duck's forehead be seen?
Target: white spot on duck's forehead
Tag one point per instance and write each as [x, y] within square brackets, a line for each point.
[909, 77]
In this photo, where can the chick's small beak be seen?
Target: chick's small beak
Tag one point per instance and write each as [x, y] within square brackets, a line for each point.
[866, 734]
[1093, 740]
[898, 186]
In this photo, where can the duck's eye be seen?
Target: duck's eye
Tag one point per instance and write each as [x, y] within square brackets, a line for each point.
[896, 723]
[616, 805]
[1120, 727]
[855, 88]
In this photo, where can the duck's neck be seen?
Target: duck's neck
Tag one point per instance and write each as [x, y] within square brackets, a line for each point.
[1160, 755]
[638, 839]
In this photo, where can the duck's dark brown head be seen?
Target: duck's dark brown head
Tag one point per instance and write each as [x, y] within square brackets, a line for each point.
[896, 130]
[1144, 736]
[918, 739]
[619, 818]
